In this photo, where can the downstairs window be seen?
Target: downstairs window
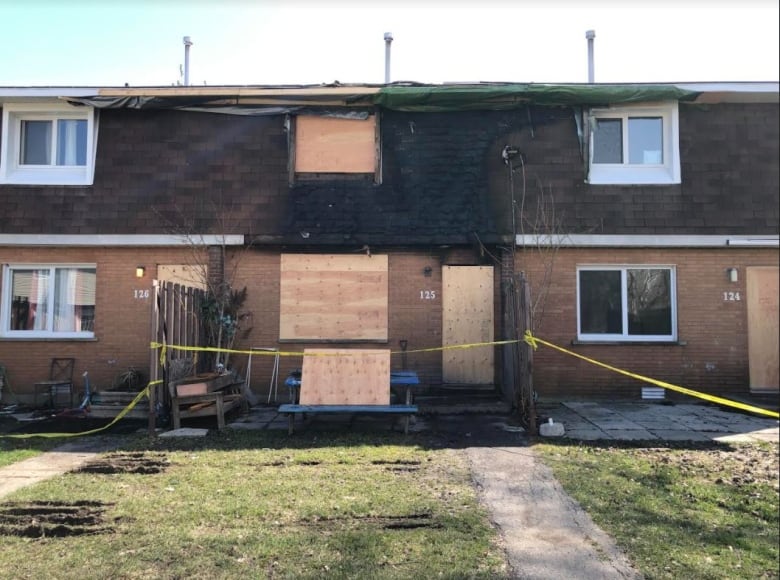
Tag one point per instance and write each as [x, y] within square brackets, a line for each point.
[48, 301]
[629, 303]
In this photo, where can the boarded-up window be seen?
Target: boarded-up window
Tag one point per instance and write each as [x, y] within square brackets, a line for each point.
[333, 297]
[335, 145]
[186, 275]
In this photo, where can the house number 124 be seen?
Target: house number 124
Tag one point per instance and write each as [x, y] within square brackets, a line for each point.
[731, 297]
[427, 294]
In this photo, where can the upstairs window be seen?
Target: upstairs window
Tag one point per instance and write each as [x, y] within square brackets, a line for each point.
[47, 144]
[635, 303]
[635, 145]
[48, 301]
[334, 147]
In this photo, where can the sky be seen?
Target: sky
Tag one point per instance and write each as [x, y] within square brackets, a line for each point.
[88, 43]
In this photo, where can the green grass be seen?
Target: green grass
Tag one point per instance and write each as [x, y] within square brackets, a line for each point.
[14, 449]
[261, 504]
[680, 511]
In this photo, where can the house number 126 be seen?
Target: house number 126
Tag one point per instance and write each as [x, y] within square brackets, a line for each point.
[427, 294]
[141, 294]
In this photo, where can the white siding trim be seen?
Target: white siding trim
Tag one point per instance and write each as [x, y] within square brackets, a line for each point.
[646, 241]
[119, 240]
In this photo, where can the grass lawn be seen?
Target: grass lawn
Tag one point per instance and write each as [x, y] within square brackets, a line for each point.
[362, 505]
[256, 504]
[679, 511]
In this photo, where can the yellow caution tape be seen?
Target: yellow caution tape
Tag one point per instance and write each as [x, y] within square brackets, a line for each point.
[534, 341]
[163, 349]
[121, 414]
[528, 338]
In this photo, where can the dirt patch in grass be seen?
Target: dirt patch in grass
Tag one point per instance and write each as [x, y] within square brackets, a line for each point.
[52, 519]
[136, 462]
[739, 465]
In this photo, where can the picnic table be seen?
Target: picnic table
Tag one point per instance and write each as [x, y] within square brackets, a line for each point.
[348, 381]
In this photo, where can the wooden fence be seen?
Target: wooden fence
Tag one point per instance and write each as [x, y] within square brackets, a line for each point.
[175, 319]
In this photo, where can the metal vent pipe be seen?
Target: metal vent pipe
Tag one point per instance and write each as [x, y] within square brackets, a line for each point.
[388, 42]
[187, 45]
[590, 35]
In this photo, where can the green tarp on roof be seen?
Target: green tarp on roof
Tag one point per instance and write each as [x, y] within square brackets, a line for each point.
[510, 96]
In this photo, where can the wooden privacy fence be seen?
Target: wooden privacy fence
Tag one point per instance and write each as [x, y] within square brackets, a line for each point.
[175, 319]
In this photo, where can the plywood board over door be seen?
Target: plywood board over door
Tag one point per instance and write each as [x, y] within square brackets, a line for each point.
[763, 306]
[467, 318]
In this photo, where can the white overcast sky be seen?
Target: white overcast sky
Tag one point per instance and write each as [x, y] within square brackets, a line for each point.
[266, 42]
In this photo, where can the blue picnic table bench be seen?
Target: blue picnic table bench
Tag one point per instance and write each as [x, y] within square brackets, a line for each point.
[406, 380]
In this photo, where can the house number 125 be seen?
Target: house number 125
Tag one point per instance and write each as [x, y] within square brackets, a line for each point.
[427, 294]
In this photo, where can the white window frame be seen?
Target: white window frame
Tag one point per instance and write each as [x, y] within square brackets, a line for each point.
[49, 333]
[625, 336]
[13, 172]
[625, 173]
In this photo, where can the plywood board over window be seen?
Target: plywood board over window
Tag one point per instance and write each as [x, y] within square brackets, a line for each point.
[335, 145]
[330, 297]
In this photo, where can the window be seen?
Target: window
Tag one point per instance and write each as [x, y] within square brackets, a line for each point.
[48, 301]
[47, 144]
[334, 146]
[635, 145]
[635, 303]
[325, 297]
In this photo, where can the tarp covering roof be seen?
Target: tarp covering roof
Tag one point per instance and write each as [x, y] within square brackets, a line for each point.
[413, 97]
[509, 96]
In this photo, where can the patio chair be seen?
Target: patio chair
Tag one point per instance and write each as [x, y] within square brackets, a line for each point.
[60, 381]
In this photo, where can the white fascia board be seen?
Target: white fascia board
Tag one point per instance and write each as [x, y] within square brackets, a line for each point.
[646, 241]
[731, 87]
[25, 93]
[150, 240]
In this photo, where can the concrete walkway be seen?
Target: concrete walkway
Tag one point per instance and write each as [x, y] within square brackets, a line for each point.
[64, 458]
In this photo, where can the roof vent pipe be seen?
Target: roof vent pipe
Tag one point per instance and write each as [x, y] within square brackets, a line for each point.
[187, 45]
[590, 35]
[388, 42]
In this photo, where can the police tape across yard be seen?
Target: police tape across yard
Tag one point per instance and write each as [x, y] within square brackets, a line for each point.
[528, 338]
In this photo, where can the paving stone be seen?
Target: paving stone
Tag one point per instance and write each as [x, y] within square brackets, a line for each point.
[680, 435]
[631, 434]
[587, 434]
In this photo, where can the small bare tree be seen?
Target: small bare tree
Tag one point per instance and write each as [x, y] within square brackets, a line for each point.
[222, 313]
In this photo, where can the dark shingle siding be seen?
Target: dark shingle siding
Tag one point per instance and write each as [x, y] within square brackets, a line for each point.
[443, 180]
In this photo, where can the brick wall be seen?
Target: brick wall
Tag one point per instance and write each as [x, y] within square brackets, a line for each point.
[122, 316]
[712, 355]
[415, 319]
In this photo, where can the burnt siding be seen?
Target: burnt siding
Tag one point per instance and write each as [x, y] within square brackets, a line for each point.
[433, 188]
[729, 183]
[443, 181]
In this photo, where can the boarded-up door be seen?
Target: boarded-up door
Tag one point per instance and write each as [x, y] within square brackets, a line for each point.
[467, 318]
[763, 345]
